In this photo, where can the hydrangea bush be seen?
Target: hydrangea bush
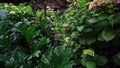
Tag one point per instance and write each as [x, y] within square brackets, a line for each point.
[86, 36]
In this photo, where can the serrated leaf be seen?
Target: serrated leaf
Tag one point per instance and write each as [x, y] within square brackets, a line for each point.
[108, 34]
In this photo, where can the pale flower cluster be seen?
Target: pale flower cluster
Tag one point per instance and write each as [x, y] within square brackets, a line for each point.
[97, 3]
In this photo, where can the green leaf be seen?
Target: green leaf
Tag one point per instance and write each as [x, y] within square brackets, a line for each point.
[35, 54]
[93, 20]
[83, 62]
[102, 60]
[91, 64]
[100, 38]
[118, 55]
[102, 17]
[108, 34]
[80, 28]
[116, 58]
[111, 17]
[74, 35]
[90, 40]
[88, 30]
[59, 57]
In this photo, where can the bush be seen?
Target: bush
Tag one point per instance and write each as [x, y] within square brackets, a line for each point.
[92, 33]
[85, 36]
[25, 40]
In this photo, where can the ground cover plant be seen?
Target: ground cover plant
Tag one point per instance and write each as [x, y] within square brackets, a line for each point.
[85, 36]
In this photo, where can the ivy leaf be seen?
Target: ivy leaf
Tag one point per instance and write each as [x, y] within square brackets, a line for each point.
[91, 64]
[108, 34]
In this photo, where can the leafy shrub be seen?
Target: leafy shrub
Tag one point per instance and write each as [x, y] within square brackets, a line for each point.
[93, 29]
[89, 37]
[56, 58]
[25, 41]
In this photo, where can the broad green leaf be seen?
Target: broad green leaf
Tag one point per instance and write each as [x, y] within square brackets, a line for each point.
[90, 40]
[111, 17]
[80, 28]
[74, 35]
[108, 34]
[91, 64]
[83, 62]
[118, 56]
[100, 38]
[102, 60]
[93, 20]
[88, 30]
[116, 59]
[83, 41]
[59, 57]
[102, 17]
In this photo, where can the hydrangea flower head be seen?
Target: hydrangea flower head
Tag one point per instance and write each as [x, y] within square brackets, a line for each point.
[117, 1]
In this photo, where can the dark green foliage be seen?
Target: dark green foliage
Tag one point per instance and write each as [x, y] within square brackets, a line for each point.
[58, 57]
[25, 42]
[96, 29]
[80, 38]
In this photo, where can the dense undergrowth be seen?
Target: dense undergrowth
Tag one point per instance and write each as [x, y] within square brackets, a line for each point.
[85, 36]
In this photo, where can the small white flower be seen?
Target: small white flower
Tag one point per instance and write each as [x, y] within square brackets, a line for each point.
[12, 13]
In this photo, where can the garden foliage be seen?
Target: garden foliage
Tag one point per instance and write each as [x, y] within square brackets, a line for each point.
[85, 36]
